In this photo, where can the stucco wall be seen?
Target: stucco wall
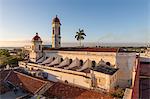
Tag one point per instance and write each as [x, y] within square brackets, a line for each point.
[114, 80]
[125, 62]
[55, 74]
[96, 56]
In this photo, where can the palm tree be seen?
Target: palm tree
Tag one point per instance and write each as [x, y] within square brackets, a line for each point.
[80, 35]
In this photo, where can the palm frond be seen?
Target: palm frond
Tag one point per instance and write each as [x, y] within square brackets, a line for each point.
[83, 34]
[79, 29]
[76, 36]
[82, 31]
[77, 33]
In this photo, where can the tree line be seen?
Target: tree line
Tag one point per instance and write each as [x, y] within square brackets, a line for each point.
[7, 59]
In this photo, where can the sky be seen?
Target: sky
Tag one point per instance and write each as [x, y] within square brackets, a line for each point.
[102, 20]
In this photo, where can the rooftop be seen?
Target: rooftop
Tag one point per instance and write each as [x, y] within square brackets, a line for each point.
[67, 91]
[88, 49]
[26, 82]
[57, 89]
[105, 69]
[36, 38]
[56, 20]
[3, 74]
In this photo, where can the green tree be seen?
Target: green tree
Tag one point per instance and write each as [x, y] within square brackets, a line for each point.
[12, 61]
[4, 52]
[80, 36]
[3, 61]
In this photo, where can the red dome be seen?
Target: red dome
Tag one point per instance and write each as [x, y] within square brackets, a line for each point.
[36, 38]
[56, 19]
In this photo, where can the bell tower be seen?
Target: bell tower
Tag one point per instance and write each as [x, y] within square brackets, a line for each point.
[36, 48]
[56, 38]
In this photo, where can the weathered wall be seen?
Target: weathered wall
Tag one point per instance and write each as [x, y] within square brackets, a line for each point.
[125, 62]
[102, 80]
[105, 81]
[114, 80]
[55, 74]
[96, 56]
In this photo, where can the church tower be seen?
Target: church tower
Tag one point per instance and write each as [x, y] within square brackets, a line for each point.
[36, 48]
[56, 38]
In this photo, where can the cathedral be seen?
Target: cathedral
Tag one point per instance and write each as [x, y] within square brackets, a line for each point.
[88, 67]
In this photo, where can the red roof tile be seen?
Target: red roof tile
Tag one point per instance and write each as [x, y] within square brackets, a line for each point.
[65, 91]
[26, 82]
[87, 49]
[3, 74]
[36, 38]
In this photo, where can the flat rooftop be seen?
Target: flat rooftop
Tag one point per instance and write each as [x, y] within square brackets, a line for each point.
[105, 69]
[87, 49]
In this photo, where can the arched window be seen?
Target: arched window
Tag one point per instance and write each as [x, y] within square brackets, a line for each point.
[46, 57]
[93, 64]
[61, 59]
[81, 62]
[53, 31]
[59, 30]
[39, 47]
[53, 58]
[66, 81]
[108, 63]
[70, 61]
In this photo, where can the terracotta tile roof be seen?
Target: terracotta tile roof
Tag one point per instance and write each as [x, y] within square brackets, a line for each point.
[65, 91]
[36, 38]
[87, 49]
[26, 82]
[3, 74]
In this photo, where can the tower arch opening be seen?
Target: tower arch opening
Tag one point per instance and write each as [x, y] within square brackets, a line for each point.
[108, 63]
[81, 62]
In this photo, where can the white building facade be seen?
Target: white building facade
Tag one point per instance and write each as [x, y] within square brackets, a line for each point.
[100, 68]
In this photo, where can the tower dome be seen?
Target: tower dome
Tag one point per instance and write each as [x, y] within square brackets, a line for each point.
[56, 20]
[36, 38]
